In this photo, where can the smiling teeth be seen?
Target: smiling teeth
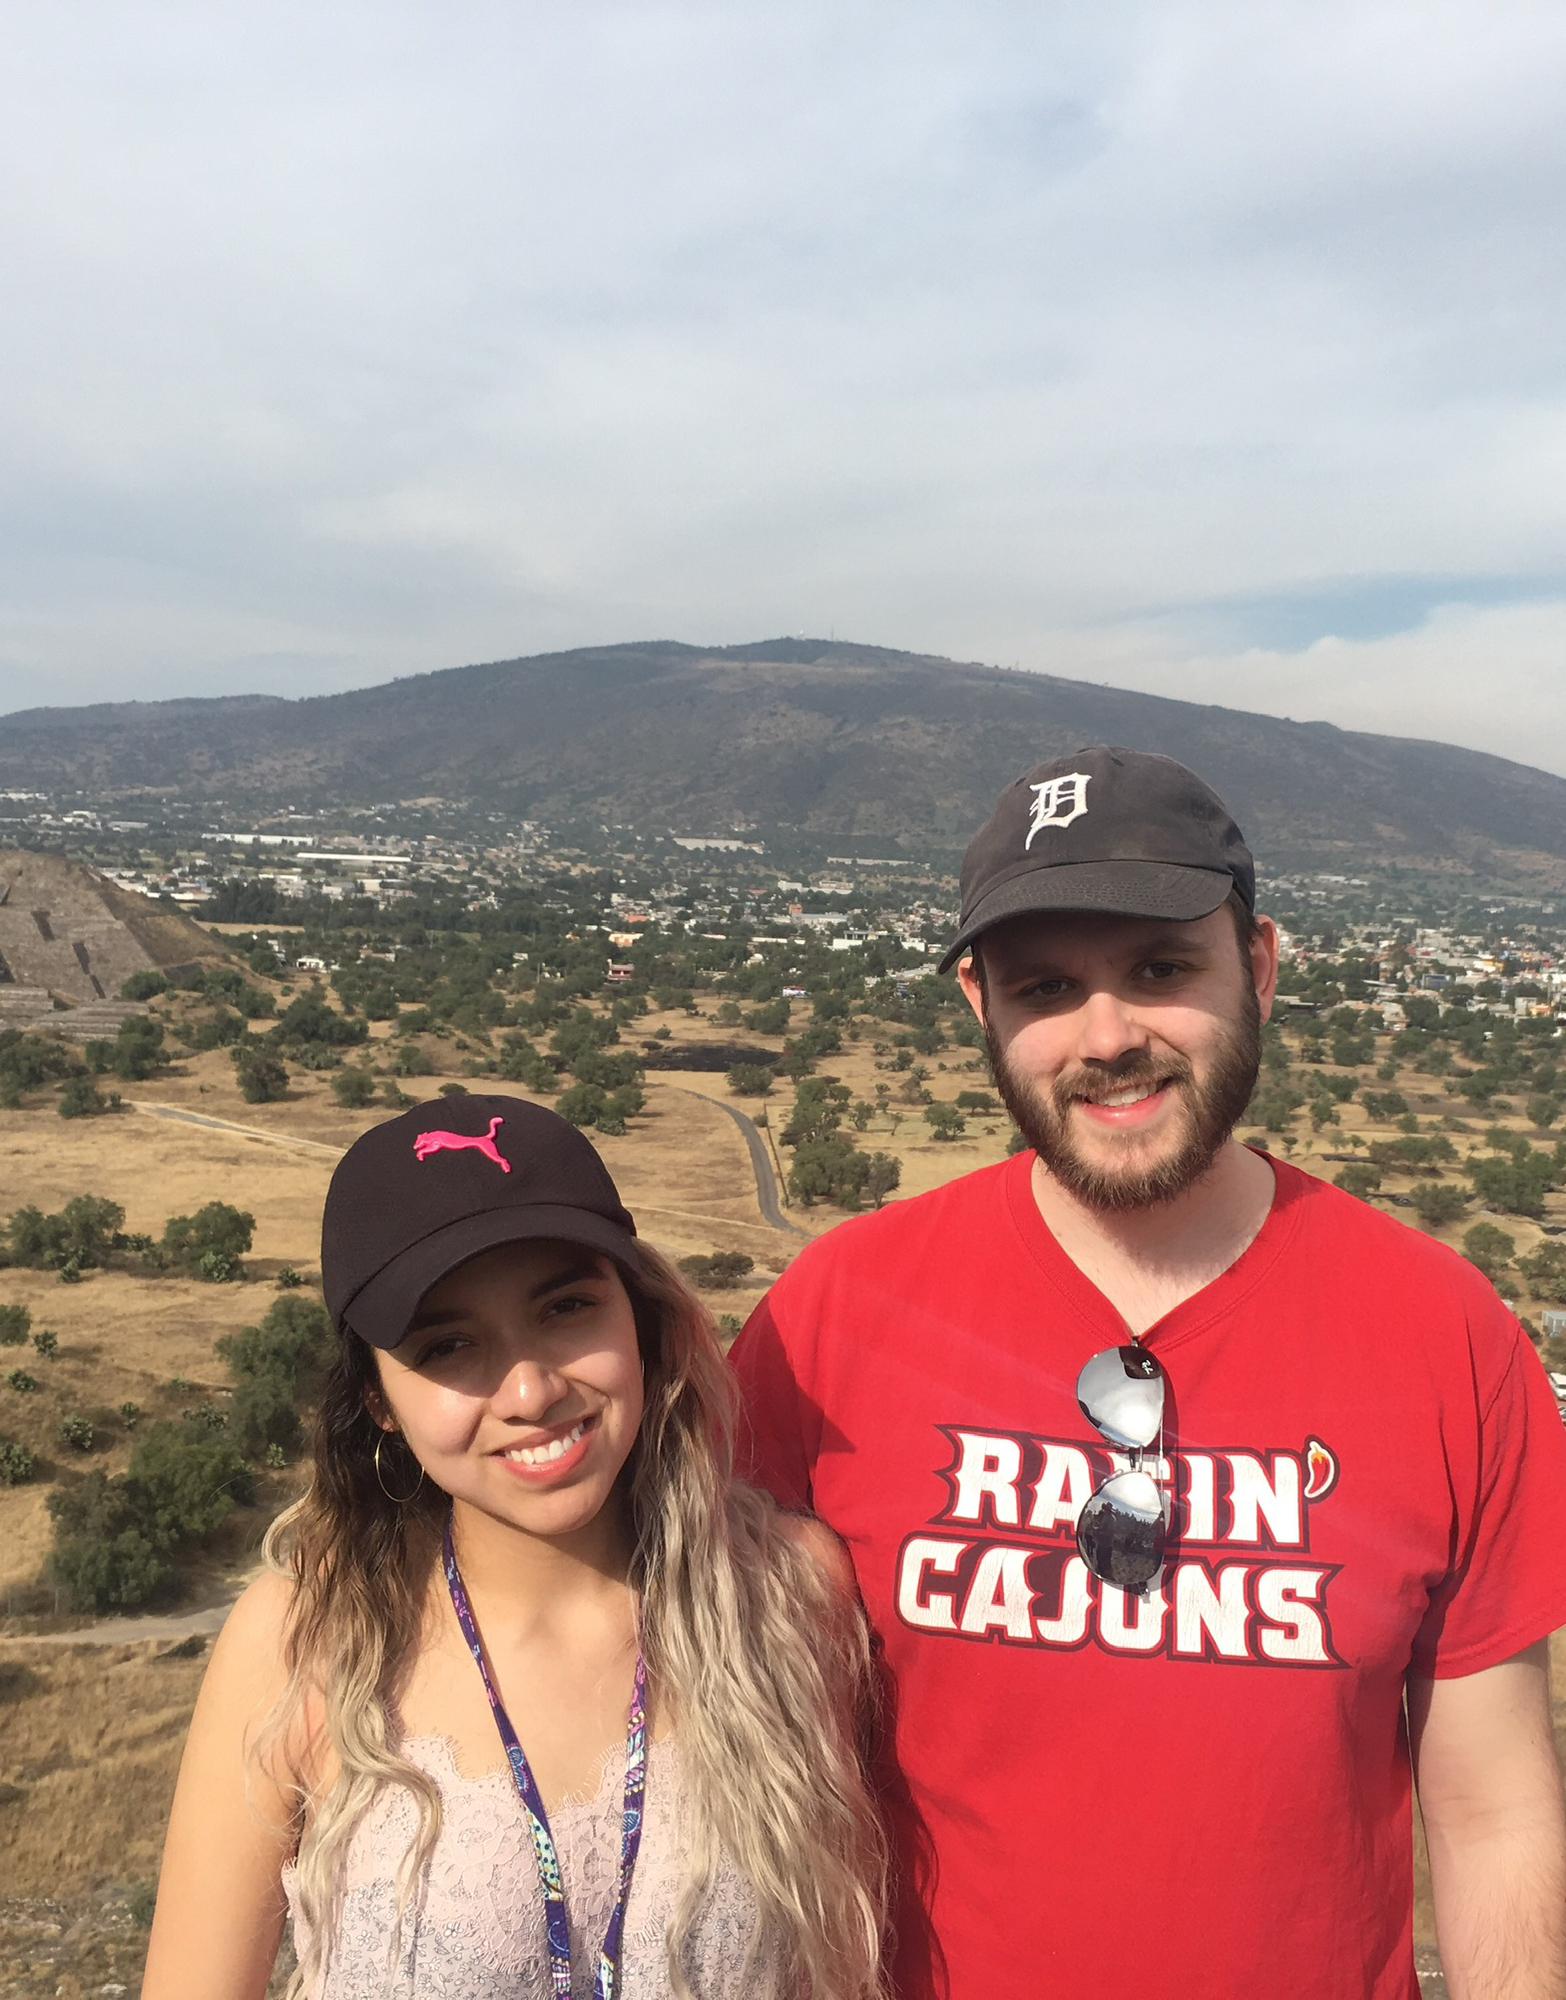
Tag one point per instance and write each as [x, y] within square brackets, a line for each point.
[546, 1454]
[1123, 1097]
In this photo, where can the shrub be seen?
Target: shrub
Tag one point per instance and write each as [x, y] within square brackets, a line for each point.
[17, 1464]
[288, 1279]
[276, 1366]
[77, 1432]
[310, 1019]
[130, 1415]
[945, 1121]
[46, 1343]
[135, 1053]
[81, 1098]
[105, 1557]
[582, 1104]
[353, 1089]
[21, 1381]
[14, 1324]
[144, 986]
[317, 1056]
[208, 1244]
[82, 1235]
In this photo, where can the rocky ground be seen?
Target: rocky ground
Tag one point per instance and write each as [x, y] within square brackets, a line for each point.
[83, 1948]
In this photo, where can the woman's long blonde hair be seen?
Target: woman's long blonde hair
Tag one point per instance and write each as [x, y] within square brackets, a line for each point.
[759, 1656]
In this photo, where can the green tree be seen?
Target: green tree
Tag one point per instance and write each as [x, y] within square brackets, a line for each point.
[1439, 1202]
[1358, 1179]
[883, 1174]
[1545, 1270]
[262, 1078]
[945, 1121]
[720, 1271]
[208, 1244]
[15, 1321]
[750, 1080]
[769, 1019]
[1516, 1186]
[819, 1107]
[1489, 1249]
[829, 1169]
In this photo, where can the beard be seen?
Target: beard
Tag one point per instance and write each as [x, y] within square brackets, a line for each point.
[1209, 1106]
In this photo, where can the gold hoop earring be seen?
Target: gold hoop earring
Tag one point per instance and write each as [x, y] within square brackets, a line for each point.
[398, 1499]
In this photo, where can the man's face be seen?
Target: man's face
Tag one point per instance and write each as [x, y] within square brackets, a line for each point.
[1124, 1047]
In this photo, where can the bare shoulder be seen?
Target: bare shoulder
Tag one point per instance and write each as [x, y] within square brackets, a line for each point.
[251, 1648]
[816, 1540]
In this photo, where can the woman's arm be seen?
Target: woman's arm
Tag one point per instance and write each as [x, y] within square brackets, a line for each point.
[220, 1901]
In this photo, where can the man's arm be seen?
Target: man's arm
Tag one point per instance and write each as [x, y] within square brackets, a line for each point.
[1490, 1794]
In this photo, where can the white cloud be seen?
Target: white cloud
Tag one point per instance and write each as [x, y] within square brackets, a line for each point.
[354, 341]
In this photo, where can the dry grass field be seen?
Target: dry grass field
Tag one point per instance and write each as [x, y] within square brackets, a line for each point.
[89, 1736]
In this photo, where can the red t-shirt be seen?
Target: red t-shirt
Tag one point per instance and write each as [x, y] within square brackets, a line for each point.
[1205, 1792]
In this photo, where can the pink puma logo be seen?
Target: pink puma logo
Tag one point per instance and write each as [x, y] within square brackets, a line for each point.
[455, 1142]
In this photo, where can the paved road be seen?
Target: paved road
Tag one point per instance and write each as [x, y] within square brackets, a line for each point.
[761, 1162]
[202, 1622]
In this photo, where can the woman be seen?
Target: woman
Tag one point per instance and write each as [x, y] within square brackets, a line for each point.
[522, 1531]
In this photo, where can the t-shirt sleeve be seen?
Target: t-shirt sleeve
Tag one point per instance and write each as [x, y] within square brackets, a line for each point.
[779, 1428]
[1507, 1587]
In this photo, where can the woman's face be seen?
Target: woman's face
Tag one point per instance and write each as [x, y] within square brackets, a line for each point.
[518, 1385]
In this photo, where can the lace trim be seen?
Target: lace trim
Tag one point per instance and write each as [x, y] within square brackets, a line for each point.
[475, 1921]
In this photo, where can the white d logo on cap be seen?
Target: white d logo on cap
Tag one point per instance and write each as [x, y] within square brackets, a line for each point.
[1057, 802]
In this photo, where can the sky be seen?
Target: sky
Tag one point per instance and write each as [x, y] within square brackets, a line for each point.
[1210, 350]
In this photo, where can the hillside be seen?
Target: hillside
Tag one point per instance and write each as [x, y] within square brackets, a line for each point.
[836, 740]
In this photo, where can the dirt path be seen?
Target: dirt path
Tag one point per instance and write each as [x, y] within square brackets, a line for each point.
[177, 1112]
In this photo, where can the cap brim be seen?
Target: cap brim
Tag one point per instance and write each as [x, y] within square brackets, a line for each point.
[1113, 888]
[379, 1311]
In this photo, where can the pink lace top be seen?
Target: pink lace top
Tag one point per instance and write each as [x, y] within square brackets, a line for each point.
[474, 1927]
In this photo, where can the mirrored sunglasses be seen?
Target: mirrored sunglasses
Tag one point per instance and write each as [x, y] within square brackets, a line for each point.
[1123, 1530]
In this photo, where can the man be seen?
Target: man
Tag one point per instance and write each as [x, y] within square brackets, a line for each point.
[1197, 1507]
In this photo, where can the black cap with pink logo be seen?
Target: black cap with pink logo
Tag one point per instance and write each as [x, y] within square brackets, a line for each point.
[415, 1197]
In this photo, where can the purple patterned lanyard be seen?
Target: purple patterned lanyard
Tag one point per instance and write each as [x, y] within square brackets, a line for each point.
[559, 1931]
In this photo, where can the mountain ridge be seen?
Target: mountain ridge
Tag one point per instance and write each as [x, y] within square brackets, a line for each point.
[826, 737]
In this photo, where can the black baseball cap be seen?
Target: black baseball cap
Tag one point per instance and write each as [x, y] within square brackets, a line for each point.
[415, 1197]
[1126, 832]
